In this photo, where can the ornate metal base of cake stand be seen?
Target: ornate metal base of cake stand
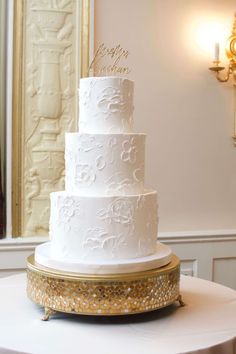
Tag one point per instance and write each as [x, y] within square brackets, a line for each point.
[117, 294]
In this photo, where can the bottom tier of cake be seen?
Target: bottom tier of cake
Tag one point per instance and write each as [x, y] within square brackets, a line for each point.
[117, 294]
[97, 228]
[160, 258]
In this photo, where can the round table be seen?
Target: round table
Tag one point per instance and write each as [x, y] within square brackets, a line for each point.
[206, 325]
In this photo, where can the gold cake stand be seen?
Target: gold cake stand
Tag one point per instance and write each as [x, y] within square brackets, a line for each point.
[113, 294]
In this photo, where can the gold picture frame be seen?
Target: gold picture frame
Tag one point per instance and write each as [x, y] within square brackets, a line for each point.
[79, 31]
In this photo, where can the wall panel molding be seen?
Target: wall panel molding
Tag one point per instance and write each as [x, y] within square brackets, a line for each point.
[14, 252]
[198, 236]
[223, 270]
[198, 250]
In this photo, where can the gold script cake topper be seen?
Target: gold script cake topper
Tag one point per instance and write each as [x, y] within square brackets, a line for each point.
[108, 61]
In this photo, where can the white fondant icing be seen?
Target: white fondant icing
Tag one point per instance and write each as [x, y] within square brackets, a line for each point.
[104, 163]
[103, 227]
[161, 257]
[106, 105]
[129, 151]
[105, 222]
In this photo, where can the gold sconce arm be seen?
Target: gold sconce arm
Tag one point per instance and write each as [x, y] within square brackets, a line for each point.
[217, 69]
[231, 69]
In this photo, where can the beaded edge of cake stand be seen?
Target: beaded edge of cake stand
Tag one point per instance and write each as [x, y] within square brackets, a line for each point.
[103, 295]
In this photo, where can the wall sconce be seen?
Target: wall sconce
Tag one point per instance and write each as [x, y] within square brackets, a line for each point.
[230, 71]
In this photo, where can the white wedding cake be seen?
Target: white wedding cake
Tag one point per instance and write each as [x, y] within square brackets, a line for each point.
[105, 221]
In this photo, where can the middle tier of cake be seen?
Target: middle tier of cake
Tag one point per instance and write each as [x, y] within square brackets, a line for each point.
[104, 164]
[101, 228]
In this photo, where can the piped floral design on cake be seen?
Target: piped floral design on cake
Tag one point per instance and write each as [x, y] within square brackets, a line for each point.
[118, 184]
[66, 211]
[87, 143]
[99, 156]
[84, 174]
[111, 101]
[112, 143]
[97, 239]
[129, 151]
[149, 216]
[100, 162]
[138, 174]
[119, 211]
[85, 94]
[115, 100]
[106, 106]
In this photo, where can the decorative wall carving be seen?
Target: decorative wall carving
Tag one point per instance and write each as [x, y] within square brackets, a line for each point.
[50, 80]
[223, 270]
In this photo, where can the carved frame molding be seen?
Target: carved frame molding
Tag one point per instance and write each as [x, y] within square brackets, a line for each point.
[32, 85]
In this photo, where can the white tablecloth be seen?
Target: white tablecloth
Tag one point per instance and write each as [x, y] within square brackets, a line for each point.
[206, 325]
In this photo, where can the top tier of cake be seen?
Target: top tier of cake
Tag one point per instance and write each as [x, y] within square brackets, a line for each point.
[106, 105]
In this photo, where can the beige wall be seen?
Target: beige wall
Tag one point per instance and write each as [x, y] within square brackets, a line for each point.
[186, 114]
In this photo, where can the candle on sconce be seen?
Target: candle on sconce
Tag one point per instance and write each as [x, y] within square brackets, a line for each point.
[217, 51]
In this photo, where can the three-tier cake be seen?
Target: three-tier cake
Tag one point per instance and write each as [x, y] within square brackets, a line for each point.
[105, 221]
[103, 256]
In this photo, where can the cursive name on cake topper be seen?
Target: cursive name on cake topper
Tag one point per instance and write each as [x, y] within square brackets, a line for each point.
[107, 61]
